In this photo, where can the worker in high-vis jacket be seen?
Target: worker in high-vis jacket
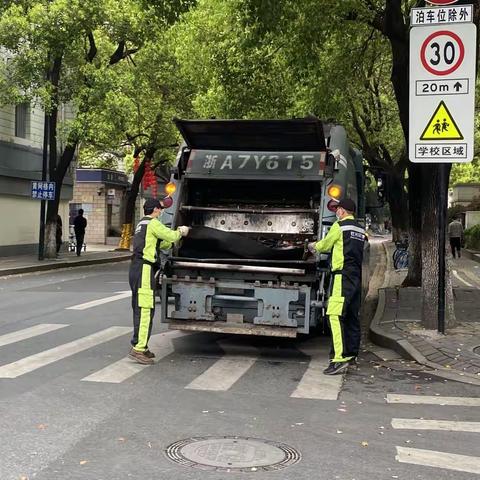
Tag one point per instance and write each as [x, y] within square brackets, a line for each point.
[150, 236]
[345, 240]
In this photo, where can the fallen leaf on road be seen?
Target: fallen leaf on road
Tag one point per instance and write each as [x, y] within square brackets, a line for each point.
[83, 462]
[364, 443]
[42, 426]
[121, 439]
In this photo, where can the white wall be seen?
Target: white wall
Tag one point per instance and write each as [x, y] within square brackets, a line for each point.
[22, 216]
[472, 218]
[34, 132]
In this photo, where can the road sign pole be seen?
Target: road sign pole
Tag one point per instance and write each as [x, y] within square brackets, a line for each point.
[442, 234]
[41, 237]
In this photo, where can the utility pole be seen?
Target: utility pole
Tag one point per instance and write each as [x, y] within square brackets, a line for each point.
[41, 239]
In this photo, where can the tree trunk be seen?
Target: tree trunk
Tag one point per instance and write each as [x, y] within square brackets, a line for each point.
[430, 251]
[415, 188]
[398, 202]
[127, 227]
[57, 176]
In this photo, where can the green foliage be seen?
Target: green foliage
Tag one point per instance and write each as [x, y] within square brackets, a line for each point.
[472, 237]
[465, 172]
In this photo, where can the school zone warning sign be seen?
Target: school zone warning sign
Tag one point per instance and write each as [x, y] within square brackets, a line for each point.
[441, 126]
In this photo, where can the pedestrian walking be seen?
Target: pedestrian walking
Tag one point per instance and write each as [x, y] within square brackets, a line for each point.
[79, 226]
[58, 234]
[150, 236]
[345, 240]
[455, 235]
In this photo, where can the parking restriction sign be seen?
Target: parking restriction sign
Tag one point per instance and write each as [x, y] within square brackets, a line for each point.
[442, 91]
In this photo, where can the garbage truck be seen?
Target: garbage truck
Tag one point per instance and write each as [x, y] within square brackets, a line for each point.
[254, 193]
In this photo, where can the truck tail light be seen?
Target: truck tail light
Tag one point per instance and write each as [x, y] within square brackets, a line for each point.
[170, 188]
[335, 191]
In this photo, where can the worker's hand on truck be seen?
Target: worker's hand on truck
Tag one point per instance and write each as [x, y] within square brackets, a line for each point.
[311, 247]
[183, 230]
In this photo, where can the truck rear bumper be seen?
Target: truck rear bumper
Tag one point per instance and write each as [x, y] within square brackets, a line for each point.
[233, 328]
[240, 306]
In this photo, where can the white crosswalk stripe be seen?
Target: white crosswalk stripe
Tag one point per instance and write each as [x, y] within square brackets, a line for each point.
[434, 400]
[33, 362]
[314, 384]
[225, 372]
[430, 458]
[446, 425]
[101, 301]
[433, 458]
[222, 375]
[161, 345]
[30, 332]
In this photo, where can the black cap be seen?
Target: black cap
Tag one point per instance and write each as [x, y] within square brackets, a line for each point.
[151, 203]
[347, 204]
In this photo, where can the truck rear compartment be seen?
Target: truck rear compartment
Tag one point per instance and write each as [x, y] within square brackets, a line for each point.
[244, 267]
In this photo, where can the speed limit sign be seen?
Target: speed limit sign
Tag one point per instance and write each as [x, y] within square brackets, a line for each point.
[442, 89]
[442, 52]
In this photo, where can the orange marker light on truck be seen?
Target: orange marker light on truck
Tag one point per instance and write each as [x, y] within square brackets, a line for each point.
[335, 191]
[170, 188]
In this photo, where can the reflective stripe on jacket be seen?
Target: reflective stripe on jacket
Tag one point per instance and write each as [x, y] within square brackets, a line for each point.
[345, 240]
[151, 234]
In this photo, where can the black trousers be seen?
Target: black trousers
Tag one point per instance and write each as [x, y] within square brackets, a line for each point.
[343, 315]
[142, 283]
[456, 245]
[79, 237]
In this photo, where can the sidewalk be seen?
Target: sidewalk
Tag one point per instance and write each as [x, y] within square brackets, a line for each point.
[397, 324]
[95, 254]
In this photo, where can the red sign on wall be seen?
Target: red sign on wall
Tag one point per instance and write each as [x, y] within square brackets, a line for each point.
[442, 2]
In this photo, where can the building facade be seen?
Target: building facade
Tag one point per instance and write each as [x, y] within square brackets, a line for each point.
[101, 193]
[21, 143]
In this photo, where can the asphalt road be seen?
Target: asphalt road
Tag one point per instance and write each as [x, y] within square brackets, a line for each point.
[72, 407]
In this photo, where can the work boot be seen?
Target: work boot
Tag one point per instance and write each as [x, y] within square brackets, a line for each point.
[149, 354]
[334, 368]
[140, 357]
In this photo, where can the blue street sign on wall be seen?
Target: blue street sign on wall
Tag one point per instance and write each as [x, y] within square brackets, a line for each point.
[43, 190]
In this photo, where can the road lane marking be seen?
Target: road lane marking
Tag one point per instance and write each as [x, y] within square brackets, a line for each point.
[161, 345]
[226, 371]
[33, 362]
[101, 301]
[434, 400]
[315, 385]
[431, 458]
[472, 277]
[446, 425]
[30, 332]
[455, 273]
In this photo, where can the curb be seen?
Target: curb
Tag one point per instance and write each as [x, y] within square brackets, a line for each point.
[55, 266]
[471, 255]
[403, 347]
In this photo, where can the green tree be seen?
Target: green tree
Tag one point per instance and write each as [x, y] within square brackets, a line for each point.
[64, 52]
[287, 59]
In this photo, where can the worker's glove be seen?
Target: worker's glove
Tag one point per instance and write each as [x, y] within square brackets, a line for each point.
[183, 230]
[311, 247]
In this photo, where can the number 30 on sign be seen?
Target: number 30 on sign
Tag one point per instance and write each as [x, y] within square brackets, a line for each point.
[442, 52]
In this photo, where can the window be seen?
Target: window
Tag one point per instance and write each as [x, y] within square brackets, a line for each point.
[21, 120]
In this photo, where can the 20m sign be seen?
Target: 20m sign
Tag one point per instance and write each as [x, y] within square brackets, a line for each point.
[442, 52]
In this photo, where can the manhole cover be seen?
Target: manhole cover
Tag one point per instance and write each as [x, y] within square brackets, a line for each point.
[477, 350]
[232, 454]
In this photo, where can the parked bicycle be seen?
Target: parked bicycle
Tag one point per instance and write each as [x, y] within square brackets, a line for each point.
[400, 255]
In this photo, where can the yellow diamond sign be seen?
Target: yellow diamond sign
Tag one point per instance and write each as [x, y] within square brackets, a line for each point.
[441, 126]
